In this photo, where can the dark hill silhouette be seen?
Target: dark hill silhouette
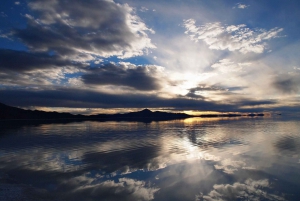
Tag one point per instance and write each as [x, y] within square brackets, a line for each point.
[146, 115]
[10, 113]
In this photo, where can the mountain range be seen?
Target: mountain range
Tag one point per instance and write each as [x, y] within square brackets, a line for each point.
[14, 113]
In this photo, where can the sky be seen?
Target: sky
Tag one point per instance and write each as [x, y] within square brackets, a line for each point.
[97, 56]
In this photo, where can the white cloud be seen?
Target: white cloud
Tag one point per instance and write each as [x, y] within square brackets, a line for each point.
[231, 37]
[144, 9]
[226, 65]
[296, 68]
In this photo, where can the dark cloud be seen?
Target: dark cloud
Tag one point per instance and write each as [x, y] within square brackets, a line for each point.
[232, 97]
[79, 98]
[235, 88]
[193, 91]
[203, 87]
[137, 77]
[220, 90]
[19, 61]
[255, 102]
[64, 97]
[287, 143]
[206, 88]
[193, 95]
[102, 28]
[287, 84]
[33, 68]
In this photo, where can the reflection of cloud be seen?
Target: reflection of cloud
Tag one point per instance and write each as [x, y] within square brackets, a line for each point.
[228, 166]
[233, 37]
[123, 189]
[287, 143]
[250, 190]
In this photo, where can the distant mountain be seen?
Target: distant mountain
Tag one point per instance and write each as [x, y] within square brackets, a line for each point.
[146, 115]
[9, 112]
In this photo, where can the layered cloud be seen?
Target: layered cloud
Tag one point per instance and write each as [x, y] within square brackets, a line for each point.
[231, 37]
[79, 30]
[20, 61]
[24, 68]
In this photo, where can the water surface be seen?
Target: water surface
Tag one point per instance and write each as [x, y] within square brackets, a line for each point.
[191, 159]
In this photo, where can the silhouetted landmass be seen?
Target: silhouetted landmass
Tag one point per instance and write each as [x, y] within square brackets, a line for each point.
[14, 113]
[9, 112]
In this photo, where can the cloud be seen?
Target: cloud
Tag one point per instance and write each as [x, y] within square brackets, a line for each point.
[241, 6]
[143, 78]
[229, 167]
[206, 88]
[287, 143]
[82, 98]
[230, 37]
[250, 190]
[287, 84]
[197, 92]
[143, 9]
[24, 68]
[226, 65]
[19, 61]
[71, 28]
[124, 189]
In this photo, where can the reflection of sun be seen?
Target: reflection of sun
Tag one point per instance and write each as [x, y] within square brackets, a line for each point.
[200, 120]
[177, 150]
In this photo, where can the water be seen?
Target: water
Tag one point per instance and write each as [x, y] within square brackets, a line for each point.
[191, 159]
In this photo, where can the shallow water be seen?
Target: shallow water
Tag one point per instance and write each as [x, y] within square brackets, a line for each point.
[191, 159]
